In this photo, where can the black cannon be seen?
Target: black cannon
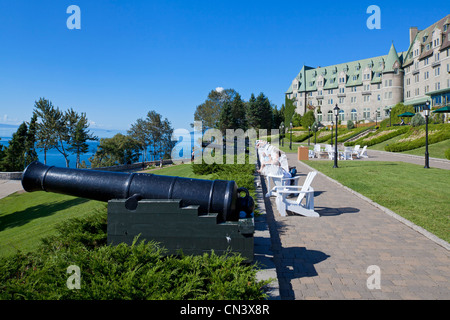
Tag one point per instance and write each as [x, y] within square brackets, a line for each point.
[212, 196]
[191, 215]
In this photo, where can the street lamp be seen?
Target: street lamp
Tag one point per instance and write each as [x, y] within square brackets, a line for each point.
[336, 113]
[290, 140]
[309, 133]
[332, 124]
[427, 113]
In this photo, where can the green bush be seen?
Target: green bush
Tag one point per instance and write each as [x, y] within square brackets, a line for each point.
[417, 120]
[350, 124]
[447, 153]
[442, 134]
[140, 271]
[364, 142]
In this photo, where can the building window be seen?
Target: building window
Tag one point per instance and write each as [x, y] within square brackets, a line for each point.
[426, 75]
[353, 115]
[330, 115]
[408, 81]
[379, 97]
[341, 100]
[330, 101]
[436, 56]
[366, 113]
[437, 86]
[425, 62]
[366, 98]
[342, 115]
[319, 116]
[342, 90]
[437, 71]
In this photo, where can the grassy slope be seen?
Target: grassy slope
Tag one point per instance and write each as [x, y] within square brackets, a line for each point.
[25, 218]
[421, 196]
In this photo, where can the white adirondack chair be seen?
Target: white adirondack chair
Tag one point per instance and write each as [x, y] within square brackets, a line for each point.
[356, 150]
[305, 192]
[347, 154]
[363, 153]
[317, 150]
[330, 151]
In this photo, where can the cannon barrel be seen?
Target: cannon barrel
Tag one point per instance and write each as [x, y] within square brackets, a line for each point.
[212, 196]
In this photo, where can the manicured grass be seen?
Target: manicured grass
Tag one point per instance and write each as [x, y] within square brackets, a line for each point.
[181, 170]
[436, 150]
[417, 194]
[25, 218]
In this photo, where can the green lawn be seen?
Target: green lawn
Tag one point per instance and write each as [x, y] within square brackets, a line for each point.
[420, 195]
[25, 218]
[436, 150]
[181, 170]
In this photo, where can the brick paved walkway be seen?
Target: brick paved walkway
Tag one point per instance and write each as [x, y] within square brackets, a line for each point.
[329, 257]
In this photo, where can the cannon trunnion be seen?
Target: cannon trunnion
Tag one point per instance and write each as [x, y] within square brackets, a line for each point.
[191, 215]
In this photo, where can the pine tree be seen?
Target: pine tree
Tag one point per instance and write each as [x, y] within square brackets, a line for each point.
[239, 120]
[30, 144]
[78, 134]
[226, 118]
[44, 135]
[14, 156]
[253, 120]
[264, 112]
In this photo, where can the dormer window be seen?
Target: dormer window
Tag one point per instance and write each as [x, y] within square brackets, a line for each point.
[445, 27]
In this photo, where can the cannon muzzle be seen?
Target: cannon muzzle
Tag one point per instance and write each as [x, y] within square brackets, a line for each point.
[212, 196]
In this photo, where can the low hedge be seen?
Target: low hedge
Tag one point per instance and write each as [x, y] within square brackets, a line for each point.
[442, 134]
[138, 272]
[447, 153]
[371, 142]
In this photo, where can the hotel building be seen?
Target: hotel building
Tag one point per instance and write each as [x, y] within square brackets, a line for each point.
[367, 89]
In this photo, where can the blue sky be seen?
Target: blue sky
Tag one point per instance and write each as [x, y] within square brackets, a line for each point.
[130, 57]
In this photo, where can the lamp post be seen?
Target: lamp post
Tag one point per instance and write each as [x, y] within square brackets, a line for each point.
[336, 113]
[309, 133]
[279, 134]
[332, 126]
[290, 140]
[282, 137]
[427, 113]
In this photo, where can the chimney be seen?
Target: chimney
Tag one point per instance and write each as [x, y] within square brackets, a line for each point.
[412, 34]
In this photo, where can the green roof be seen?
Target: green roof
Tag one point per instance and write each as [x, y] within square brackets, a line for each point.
[392, 60]
[308, 77]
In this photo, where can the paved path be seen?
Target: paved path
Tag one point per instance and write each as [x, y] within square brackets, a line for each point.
[8, 187]
[329, 257]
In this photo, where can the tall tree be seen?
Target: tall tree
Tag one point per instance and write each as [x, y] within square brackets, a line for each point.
[278, 116]
[264, 111]
[289, 110]
[252, 113]
[30, 144]
[120, 149]
[59, 119]
[209, 111]
[226, 118]
[138, 132]
[14, 156]
[79, 134]
[44, 133]
[308, 119]
[239, 120]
